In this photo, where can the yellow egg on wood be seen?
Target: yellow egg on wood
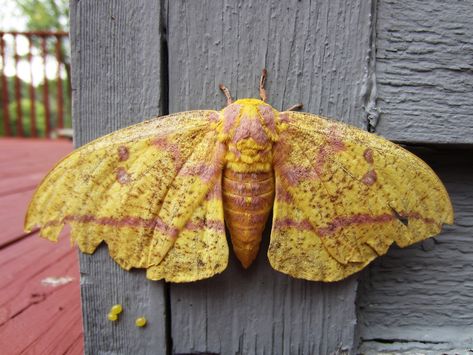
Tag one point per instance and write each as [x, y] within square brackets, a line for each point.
[140, 322]
[116, 309]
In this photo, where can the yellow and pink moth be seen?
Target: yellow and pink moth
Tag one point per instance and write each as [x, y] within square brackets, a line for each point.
[160, 193]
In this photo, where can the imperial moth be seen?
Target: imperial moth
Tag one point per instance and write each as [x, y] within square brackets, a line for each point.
[160, 193]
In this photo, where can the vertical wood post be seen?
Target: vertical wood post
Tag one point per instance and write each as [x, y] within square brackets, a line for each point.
[418, 299]
[316, 53]
[116, 63]
[136, 59]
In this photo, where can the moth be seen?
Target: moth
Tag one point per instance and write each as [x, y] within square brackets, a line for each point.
[161, 192]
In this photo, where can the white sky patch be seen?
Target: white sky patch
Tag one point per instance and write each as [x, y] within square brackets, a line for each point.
[10, 17]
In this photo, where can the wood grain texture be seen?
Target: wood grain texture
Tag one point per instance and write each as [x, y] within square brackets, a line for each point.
[23, 163]
[116, 61]
[424, 70]
[318, 53]
[38, 316]
[21, 170]
[418, 300]
[315, 53]
[34, 303]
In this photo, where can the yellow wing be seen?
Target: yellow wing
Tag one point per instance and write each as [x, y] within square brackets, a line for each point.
[343, 196]
[201, 250]
[137, 189]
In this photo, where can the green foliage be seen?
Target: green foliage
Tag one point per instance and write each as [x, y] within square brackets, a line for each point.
[45, 14]
[52, 15]
[26, 112]
[40, 114]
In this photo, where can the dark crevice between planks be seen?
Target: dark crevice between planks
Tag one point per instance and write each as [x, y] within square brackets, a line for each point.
[165, 111]
[369, 100]
[401, 341]
[168, 320]
[453, 165]
[18, 239]
[43, 333]
[164, 60]
[37, 298]
[369, 96]
[76, 341]
[20, 189]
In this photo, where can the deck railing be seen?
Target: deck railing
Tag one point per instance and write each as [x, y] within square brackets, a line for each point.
[35, 83]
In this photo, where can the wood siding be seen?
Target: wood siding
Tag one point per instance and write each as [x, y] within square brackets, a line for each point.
[259, 310]
[424, 70]
[133, 60]
[419, 299]
[116, 81]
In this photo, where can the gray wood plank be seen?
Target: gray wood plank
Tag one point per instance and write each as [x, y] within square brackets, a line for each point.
[116, 62]
[317, 53]
[424, 70]
[418, 300]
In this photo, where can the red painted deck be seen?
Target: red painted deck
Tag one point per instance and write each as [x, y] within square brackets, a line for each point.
[40, 309]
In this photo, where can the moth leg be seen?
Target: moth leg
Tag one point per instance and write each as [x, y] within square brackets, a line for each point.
[226, 92]
[262, 81]
[295, 107]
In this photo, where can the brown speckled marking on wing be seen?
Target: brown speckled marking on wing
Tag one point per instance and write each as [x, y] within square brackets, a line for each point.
[201, 250]
[152, 192]
[351, 195]
[113, 189]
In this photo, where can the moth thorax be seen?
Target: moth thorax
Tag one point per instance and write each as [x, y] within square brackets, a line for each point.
[248, 156]
[247, 201]
[249, 123]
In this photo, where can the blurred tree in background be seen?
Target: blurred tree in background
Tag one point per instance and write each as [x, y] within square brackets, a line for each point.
[52, 15]
[26, 109]
[45, 14]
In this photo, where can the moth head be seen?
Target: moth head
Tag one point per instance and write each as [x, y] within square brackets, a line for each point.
[249, 118]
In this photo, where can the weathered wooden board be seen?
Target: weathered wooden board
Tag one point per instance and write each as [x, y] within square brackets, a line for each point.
[12, 215]
[39, 280]
[424, 70]
[418, 300]
[315, 53]
[24, 162]
[318, 53]
[116, 61]
[40, 302]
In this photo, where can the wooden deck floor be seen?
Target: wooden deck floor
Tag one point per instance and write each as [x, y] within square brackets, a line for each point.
[40, 310]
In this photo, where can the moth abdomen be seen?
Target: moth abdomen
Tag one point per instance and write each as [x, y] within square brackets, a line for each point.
[153, 192]
[247, 202]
